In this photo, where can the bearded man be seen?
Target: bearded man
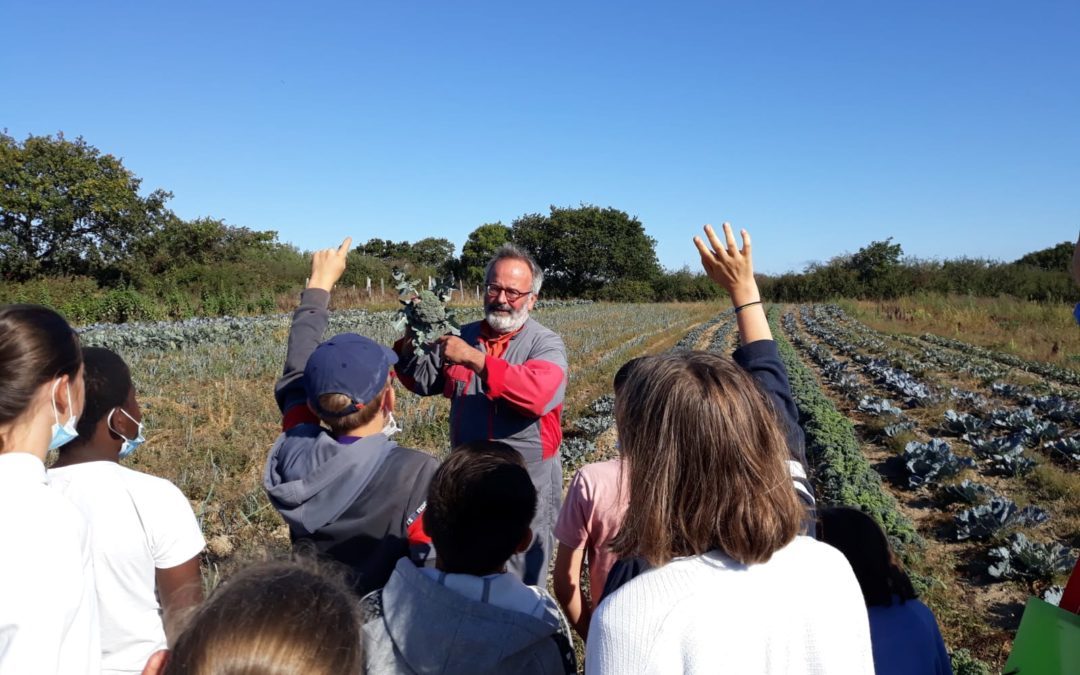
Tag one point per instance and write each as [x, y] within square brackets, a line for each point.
[506, 377]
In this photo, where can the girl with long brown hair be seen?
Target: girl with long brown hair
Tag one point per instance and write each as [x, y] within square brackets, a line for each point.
[734, 586]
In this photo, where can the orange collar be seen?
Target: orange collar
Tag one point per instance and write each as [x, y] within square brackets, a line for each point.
[496, 343]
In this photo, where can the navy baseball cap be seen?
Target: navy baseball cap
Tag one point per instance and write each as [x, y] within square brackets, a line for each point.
[348, 364]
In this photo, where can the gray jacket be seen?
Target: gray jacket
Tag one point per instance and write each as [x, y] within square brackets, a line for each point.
[518, 400]
[423, 628]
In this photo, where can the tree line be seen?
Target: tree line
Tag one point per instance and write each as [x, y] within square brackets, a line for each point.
[78, 235]
[880, 271]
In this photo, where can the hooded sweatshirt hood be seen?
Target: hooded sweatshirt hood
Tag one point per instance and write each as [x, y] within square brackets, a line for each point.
[311, 478]
[428, 629]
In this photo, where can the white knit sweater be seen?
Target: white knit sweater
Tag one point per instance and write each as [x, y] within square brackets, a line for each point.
[801, 612]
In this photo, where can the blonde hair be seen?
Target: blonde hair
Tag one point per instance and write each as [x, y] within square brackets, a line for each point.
[285, 618]
[707, 466]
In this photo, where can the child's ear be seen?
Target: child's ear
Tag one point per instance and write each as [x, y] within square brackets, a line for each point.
[525, 542]
[391, 399]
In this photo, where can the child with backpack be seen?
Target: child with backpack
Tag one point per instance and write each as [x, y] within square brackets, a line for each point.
[469, 614]
[347, 491]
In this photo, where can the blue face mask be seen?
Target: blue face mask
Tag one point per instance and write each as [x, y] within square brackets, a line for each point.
[62, 433]
[130, 444]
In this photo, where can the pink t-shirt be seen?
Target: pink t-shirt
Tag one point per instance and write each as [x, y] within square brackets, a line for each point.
[591, 516]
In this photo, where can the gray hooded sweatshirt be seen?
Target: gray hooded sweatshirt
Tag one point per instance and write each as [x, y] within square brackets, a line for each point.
[428, 629]
[359, 501]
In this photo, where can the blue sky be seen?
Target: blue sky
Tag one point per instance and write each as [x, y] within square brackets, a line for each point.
[953, 127]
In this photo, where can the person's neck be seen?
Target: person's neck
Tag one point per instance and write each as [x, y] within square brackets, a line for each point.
[81, 453]
[30, 436]
[370, 429]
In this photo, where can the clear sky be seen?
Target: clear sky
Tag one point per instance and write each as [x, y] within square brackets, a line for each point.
[820, 126]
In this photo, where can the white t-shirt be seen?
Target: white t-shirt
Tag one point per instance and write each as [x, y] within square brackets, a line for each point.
[800, 612]
[48, 608]
[141, 523]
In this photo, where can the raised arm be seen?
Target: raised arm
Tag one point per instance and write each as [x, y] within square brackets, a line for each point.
[306, 331]
[757, 354]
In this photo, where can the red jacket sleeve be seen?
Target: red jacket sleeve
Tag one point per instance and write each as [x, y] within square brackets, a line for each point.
[534, 387]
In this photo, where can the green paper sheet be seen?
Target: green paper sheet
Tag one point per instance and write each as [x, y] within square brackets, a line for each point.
[1048, 642]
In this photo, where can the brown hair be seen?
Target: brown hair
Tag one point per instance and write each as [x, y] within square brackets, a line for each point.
[338, 402]
[275, 617]
[479, 507]
[706, 458]
[36, 345]
[864, 544]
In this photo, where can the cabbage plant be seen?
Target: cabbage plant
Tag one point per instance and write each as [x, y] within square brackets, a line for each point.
[984, 521]
[1022, 558]
[930, 462]
[425, 311]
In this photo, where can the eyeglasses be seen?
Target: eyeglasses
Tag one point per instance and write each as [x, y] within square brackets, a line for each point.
[512, 295]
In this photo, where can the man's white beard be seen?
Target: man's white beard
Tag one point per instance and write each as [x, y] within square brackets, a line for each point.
[507, 323]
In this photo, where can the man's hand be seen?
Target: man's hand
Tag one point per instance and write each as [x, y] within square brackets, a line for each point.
[728, 266]
[328, 265]
[456, 351]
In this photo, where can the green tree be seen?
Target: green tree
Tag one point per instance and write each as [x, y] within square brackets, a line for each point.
[478, 250]
[432, 252]
[203, 241]
[1055, 258]
[384, 249]
[876, 268]
[67, 209]
[583, 249]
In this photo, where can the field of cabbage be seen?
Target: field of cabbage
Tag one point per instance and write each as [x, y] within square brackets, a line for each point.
[970, 458]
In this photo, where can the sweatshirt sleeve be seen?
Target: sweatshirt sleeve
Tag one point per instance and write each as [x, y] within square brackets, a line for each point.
[421, 550]
[535, 387]
[305, 333]
[420, 371]
[762, 360]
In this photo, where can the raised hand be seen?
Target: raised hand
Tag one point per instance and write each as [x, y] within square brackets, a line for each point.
[328, 265]
[734, 270]
[728, 266]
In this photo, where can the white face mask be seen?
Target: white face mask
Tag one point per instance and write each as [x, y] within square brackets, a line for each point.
[130, 444]
[62, 433]
[391, 427]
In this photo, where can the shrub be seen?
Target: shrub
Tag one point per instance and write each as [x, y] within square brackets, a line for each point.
[627, 290]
